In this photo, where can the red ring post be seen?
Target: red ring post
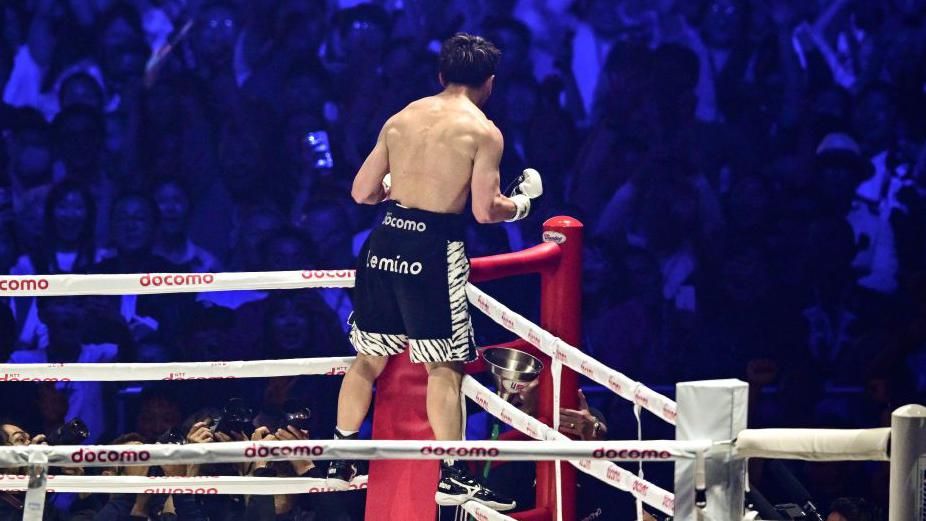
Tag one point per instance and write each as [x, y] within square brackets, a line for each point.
[405, 489]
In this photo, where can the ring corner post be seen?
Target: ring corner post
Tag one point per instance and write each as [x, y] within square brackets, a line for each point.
[908, 464]
[711, 410]
[561, 314]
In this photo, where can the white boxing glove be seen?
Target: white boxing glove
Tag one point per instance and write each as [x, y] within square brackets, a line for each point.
[387, 185]
[530, 186]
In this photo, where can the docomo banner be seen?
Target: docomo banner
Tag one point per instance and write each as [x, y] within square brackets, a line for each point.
[606, 471]
[573, 358]
[203, 485]
[241, 451]
[151, 283]
[332, 366]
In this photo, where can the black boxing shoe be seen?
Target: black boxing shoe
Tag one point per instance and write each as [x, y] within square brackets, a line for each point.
[457, 486]
[342, 472]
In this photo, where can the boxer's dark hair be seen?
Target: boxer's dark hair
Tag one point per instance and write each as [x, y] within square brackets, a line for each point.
[468, 60]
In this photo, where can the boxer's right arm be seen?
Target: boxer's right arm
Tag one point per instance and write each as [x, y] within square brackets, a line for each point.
[489, 205]
[368, 184]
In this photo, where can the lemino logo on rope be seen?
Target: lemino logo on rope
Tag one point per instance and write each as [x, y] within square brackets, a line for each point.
[176, 279]
[23, 284]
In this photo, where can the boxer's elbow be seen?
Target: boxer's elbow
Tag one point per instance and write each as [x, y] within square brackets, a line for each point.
[364, 196]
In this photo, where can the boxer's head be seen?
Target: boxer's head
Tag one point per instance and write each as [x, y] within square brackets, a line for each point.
[469, 61]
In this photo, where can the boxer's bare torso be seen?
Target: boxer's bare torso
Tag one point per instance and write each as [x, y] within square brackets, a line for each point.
[432, 146]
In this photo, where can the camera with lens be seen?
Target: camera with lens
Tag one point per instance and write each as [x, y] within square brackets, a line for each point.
[235, 417]
[296, 416]
[172, 436]
[73, 432]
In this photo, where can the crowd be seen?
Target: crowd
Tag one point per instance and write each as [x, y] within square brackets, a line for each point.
[751, 175]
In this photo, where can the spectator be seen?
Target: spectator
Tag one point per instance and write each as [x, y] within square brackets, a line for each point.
[173, 241]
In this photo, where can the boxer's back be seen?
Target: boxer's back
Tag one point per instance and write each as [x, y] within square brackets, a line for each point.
[431, 145]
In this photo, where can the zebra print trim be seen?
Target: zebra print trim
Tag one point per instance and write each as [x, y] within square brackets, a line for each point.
[459, 347]
[376, 344]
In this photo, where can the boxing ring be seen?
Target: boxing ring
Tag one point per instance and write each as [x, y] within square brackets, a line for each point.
[710, 450]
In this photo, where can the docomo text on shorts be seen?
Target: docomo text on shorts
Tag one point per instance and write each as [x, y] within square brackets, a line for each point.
[176, 279]
[23, 284]
[408, 225]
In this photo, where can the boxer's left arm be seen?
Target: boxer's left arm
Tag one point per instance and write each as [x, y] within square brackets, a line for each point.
[368, 184]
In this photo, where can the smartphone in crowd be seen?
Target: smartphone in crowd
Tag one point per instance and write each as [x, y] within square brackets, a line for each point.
[317, 149]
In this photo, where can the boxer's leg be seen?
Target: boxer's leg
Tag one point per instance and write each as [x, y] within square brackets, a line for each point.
[443, 403]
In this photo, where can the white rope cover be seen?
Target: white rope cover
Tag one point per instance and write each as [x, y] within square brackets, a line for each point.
[604, 470]
[815, 444]
[179, 485]
[153, 283]
[120, 372]
[239, 451]
[484, 513]
[625, 387]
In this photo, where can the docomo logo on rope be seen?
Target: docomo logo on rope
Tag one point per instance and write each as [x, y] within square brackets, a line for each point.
[669, 412]
[259, 452]
[482, 400]
[109, 456]
[23, 284]
[506, 417]
[631, 454]
[327, 274]
[183, 376]
[176, 279]
[351, 486]
[337, 371]
[475, 452]
[533, 337]
[586, 368]
[14, 377]
[640, 487]
[668, 503]
[507, 321]
[615, 385]
[614, 474]
[196, 491]
[483, 303]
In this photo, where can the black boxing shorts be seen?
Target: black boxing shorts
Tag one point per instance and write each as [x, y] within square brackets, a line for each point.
[411, 288]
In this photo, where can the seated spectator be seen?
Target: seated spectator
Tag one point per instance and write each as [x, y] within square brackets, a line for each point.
[153, 319]
[67, 322]
[159, 410]
[174, 243]
[68, 246]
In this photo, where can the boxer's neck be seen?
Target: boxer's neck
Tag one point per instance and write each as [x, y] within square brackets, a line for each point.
[474, 95]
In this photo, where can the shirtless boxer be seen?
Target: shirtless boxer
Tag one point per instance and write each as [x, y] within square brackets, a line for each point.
[412, 272]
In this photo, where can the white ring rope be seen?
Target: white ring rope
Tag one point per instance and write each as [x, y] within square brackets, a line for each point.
[604, 470]
[179, 485]
[484, 513]
[815, 444]
[154, 283]
[594, 458]
[625, 387]
[246, 451]
[121, 372]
